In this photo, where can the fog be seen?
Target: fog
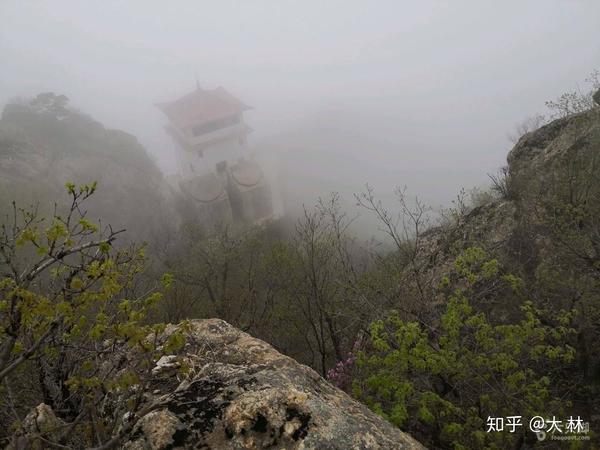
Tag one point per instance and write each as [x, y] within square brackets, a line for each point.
[421, 94]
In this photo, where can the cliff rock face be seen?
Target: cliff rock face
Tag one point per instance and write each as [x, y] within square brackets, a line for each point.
[553, 161]
[541, 155]
[555, 165]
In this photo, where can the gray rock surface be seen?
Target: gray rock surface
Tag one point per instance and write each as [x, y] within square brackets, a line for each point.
[543, 153]
[237, 392]
[538, 166]
[240, 393]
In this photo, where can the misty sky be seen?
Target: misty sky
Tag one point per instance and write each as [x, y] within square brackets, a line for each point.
[421, 93]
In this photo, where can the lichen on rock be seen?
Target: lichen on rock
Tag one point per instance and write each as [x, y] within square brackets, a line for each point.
[240, 393]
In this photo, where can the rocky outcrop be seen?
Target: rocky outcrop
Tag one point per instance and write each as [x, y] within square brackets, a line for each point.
[555, 160]
[228, 390]
[546, 154]
[240, 393]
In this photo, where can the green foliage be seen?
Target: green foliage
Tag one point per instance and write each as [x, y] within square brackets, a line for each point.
[68, 301]
[441, 384]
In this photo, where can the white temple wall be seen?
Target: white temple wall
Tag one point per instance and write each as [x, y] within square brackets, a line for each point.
[192, 164]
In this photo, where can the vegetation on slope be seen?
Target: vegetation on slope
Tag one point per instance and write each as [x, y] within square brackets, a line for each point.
[493, 312]
[45, 143]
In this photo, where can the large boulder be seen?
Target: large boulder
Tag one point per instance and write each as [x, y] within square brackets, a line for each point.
[546, 154]
[240, 393]
[226, 390]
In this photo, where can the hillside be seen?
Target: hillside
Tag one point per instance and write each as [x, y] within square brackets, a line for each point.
[44, 143]
[545, 229]
[494, 312]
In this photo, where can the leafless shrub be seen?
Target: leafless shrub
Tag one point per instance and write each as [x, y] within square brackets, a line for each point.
[576, 101]
[481, 197]
[526, 126]
[501, 182]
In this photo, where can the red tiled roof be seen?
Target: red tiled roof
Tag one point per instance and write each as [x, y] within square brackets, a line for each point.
[201, 106]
